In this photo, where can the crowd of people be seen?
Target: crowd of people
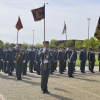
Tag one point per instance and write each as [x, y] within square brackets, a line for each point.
[17, 58]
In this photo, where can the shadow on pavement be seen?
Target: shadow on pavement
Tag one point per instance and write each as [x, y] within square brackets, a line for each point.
[61, 90]
[59, 97]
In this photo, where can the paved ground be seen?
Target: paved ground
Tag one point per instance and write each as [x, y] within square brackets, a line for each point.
[82, 87]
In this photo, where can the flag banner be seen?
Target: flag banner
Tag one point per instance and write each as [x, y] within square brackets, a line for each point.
[19, 24]
[64, 29]
[38, 13]
[97, 31]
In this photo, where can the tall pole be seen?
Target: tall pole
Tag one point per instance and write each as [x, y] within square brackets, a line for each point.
[17, 36]
[88, 30]
[33, 37]
[66, 35]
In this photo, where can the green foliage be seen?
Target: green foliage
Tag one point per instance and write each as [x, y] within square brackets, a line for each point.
[85, 43]
[12, 44]
[62, 45]
[53, 43]
[25, 45]
[38, 45]
[1, 43]
[70, 43]
[78, 44]
[7, 44]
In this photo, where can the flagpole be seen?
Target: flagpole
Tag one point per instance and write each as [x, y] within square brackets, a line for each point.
[17, 36]
[66, 35]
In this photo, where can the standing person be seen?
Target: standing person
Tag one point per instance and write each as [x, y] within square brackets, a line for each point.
[65, 59]
[1, 59]
[5, 59]
[61, 60]
[37, 59]
[71, 61]
[25, 61]
[75, 56]
[83, 58]
[10, 61]
[89, 58]
[99, 60]
[45, 66]
[55, 58]
[19, 61]
[31, 59]
[92, 60]
[52, 62]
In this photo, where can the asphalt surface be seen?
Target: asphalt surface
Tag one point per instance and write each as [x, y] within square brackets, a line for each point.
[82, 87]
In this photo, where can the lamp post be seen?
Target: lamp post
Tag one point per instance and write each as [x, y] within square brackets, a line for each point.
[88, 30]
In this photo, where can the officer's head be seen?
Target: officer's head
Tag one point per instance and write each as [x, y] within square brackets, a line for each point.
[20, 46]
[63, 49]
[46, 44]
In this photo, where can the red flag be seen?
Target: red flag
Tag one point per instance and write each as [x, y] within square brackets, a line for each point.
[19, 24]
[64, 29]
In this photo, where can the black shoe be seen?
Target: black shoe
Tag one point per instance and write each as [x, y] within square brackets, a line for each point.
[47, 91]
[93, 72]
[31, 72]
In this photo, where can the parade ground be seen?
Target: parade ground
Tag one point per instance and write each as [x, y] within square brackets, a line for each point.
[82, 87]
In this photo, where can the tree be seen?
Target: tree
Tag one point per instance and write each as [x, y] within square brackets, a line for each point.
[96, 43]
[92, 42]
[7, 44]
[38, 45]
[70, 43]
[78, 44]
[85, 43]
[12, 44]
[53, 43]
[1, 43]
[25, 44]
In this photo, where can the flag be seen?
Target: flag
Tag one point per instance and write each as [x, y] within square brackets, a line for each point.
[19, 24]
[64, 29]
[38, 13]
[97, 31]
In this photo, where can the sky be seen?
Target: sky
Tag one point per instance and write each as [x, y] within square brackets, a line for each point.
[73, 12]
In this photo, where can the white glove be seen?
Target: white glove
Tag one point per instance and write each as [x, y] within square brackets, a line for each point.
[1, 59]
[80, 61]
[45, 61]
[36, 62]
[29, 60]
[7, 61]
[44, 49]
[14, 61]
[23, 61]
[74, 62]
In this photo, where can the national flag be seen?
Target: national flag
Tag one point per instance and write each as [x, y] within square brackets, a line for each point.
[38, 13]
[64, 29]
[19, 24]
[97, 31]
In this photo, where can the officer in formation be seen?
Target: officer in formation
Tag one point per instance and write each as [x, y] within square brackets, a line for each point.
[1, 59]
[55, 58]
[45, 65]
[92, 60]
[83, 58]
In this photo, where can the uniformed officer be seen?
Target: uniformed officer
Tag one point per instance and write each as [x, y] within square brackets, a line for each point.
[25, 61]
[31, 59]
[62, 59]
[45, 66]
[1, 59]
[5, 59]
[99, 57]
[52, 62]
[55, 58]
[19, 61]
[10, 60]
[92, 60]
[37, 59]
[75, 56]
[89, 58]
[71, 61]
[83, 58]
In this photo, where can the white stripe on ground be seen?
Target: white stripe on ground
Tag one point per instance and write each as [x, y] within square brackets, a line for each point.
[1, 97]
